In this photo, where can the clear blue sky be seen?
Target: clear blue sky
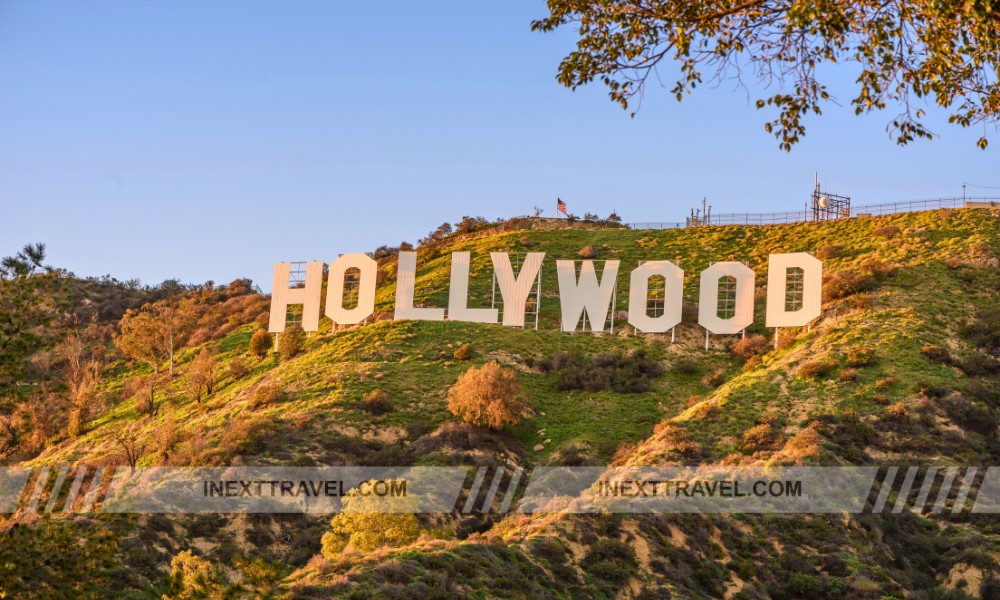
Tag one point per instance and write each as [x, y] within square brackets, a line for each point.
[151, 139]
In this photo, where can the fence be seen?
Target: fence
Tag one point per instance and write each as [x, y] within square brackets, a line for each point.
[802, 216]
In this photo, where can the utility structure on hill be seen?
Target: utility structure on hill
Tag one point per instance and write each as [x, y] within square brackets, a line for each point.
[827, 206]
[700, 216]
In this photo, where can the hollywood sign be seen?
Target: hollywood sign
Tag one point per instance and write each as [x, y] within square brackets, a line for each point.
[581, 292]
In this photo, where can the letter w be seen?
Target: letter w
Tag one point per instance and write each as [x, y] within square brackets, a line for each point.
[586, 294]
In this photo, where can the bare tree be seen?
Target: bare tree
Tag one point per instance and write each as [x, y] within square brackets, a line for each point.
[128, 441]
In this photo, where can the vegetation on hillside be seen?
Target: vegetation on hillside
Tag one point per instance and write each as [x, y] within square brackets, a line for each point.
[901, 367]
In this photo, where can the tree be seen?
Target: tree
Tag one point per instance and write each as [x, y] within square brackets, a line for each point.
[906, 53]
[260, 344]
[81, 352]
[201, 374]
[290, 341]
[443, 231]
[367, 523]
[488, 396]
[32, 296]
[154, 333]
[129, 444]
[469, 224]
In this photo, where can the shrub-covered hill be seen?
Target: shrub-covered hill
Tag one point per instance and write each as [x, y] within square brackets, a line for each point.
[900, 369]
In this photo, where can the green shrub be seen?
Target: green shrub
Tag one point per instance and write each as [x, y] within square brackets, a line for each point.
[984, 331]
[290, 341]
[260, 344]
[625, 373]
[932, 390]
[978, 364]
[804, 586]
[376, 402]
[610, 560]
[859, 356]
[685, 366]
[192, 577]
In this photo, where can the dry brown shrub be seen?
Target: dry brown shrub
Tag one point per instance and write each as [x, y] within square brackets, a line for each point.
[463, 352]
[936, 354]
[848, 375]
[803, 445]
[244, 435]
[238, 368]
[624, 451]
[587, 252]
[266, 394]
[877, 269]
[759, 437]
[830, 251]
[673, 438]
[816, 369]
[488, 396]
[885, 382]
[842, 285]
[747, 347]
[887, 231]
[897, 411]
[860, 301]
[752, 363]
[716, 378]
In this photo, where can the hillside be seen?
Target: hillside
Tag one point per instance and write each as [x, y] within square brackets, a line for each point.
[901, 369]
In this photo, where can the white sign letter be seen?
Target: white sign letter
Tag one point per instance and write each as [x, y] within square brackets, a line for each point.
[515, 290]
[366, 289]
[587, 294]
[308, 296]
[708, 300]
[406, 278]
[785, 308]
[673, 297]
[458, 294]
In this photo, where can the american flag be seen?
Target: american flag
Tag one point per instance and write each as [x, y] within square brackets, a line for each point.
[561, 206]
